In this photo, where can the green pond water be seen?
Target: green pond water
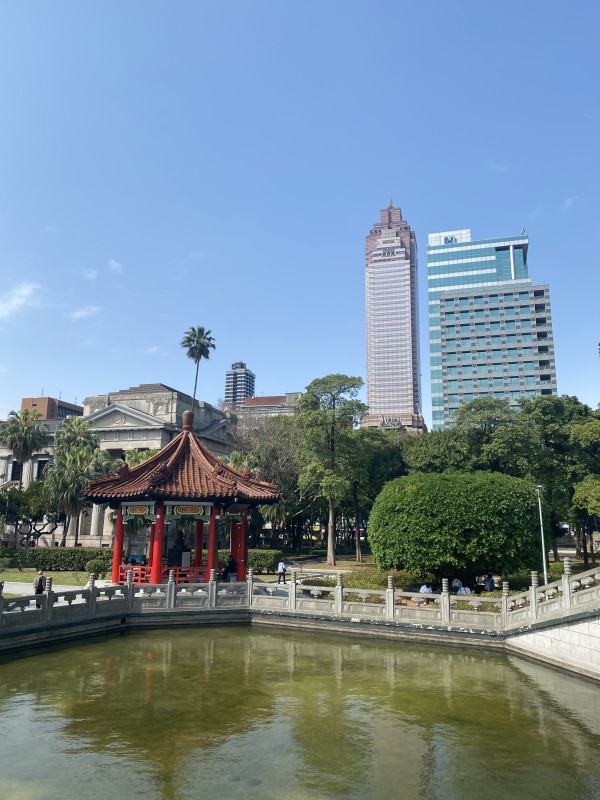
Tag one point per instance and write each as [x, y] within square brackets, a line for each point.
[239, 713]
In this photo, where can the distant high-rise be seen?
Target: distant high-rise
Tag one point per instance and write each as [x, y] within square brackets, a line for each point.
[490, 329]
[393, 367]
[239, 384]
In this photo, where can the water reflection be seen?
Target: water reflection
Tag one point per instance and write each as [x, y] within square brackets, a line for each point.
[238, 713]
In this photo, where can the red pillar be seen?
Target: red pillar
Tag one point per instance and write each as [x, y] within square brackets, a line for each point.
[243, 549]
[235, 542]
[157, 550]
[118, 545]
[198, 543]
[212, 541]
[151, 543]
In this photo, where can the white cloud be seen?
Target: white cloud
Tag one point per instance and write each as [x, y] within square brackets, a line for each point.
[91, 274]
[499, 167]
[82, 313]
[569, 202]
[154, 349]
[115, 266]
[25, 294]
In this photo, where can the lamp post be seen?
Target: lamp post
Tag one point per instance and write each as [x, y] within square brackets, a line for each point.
[539, 490]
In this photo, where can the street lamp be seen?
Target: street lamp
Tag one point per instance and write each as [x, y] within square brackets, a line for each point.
[539, 490]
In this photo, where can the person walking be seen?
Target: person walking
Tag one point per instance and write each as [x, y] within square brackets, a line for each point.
[39, 585]
[280, 572]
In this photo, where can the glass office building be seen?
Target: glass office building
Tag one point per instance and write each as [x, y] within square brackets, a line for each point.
[490, 327]
[239, 384]
[393, 371]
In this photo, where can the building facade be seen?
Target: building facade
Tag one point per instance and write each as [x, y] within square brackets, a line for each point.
[490, 327]
[239, 384]
[393, 363]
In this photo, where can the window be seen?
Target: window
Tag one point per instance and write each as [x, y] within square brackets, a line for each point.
[525, 323]
[540, 320]
[496, 353]
[543, 348]
[538, 293]
[529, 365]
[449, 315]
[498, 381]
[468, 397]
[464, 315]
[542, 335]
[512, 366]
[523, 296]
[453, 384]
[463, 301]
[465, 328]
[467, 383]
[513, 381]
[494, 326]
[466, 369]
[482, 368]
[524, 309]
[514, 395]
[497, 368]
[494, 312]
[527, 351]
[510, 325]
[16, 472]
[509, 298]
[479, 312]
[450, 342]
[544, 364]
[495, 339]
[450, 329]
[509, 311]
[478, 300]
[480, 326]
[525, 337]
[480, 341]
[511, 338]
[529, 379]
[511, 352]
[453, 398]
[41, 466]
[492, 298]
[451, 356]
[482, 383]
[540, 308]
[546, 391]
[498, 395]
[481, 355]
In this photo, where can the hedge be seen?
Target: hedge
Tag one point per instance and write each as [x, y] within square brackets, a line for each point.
[63, 559]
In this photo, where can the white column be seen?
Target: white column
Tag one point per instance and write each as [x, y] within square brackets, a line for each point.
[95, 527]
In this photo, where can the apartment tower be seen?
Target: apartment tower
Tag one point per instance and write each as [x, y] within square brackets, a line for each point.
[393, 367]
[239, 384]
[490, 327]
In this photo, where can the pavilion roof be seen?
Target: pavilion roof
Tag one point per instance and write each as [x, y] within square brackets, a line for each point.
[183, 470]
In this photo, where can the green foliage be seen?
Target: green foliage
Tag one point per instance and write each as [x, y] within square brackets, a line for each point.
[63, 558]
[198, 343]
[587, 495]
[24, 434]
[470, 522]
[263, 560]
[135, 457]
[99, 566]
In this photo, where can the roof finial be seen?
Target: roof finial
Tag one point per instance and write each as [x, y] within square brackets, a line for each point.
[391, 202]
[188, 420]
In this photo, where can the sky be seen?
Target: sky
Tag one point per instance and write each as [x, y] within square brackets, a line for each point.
[219, 163]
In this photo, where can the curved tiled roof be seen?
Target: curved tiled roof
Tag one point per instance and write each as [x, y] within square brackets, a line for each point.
[183, 470]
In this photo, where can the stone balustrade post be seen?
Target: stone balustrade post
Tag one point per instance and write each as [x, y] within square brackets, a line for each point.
[250, 586]
[533, 595]
[389, 598]
[504, 610]
[49, 610]
[567, 589]
[212, 589]
[292, 591]
[338, 595]
[445, 602]
[92, 594]
[171, 589]
[129, 589]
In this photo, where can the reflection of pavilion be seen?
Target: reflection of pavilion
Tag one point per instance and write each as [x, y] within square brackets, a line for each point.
[184, 481]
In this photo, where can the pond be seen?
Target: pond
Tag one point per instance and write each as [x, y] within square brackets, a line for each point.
[240, 713]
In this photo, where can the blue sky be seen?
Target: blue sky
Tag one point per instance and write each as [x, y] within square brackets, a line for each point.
[164, 165]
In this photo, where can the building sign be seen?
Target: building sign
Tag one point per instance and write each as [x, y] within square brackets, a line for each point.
[188, 510]
[138, 511]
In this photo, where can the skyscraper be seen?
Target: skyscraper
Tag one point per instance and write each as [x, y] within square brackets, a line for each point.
[393, 367]
[239, 384]
[490, 328]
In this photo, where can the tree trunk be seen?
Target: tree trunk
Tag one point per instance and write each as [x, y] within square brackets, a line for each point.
[356, 522]
[584, 551]
[77, 517]
[66, 526]
[331, 534]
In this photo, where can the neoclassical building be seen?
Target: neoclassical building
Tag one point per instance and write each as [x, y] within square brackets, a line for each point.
[144, 417]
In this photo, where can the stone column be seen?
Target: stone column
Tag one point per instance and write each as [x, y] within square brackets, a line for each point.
[338, 595]
[533, 609]
[250, 580]
[504, 604]
[291, 590]
[95, 527]
[445, 602]
[389, 598]
[567, 602]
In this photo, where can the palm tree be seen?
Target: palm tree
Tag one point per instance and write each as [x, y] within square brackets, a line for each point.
[198, 342]
[24, 434]
[75, 432]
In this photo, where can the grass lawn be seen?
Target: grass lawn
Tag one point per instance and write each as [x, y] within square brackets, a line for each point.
[27, 575]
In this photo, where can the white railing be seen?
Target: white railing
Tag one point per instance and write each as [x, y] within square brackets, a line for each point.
[562, 598]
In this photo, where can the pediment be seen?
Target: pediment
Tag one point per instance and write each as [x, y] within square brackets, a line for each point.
[117, 416]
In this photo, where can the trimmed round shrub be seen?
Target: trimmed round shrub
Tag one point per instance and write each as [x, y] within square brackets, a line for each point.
[456, 522]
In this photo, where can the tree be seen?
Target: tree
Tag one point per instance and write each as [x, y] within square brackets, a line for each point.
[75, 432]
[456, 522]
[68, 475]
[328, 412]
[135, 457]
[24, 435]
[198, 342]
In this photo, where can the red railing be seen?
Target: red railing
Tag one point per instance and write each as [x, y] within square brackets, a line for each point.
[182, 574]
